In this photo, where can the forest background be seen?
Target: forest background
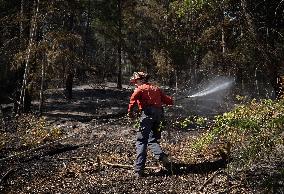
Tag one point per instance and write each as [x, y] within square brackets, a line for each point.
[48, 43]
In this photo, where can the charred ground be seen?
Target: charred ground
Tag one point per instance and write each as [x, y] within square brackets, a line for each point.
[98, 155]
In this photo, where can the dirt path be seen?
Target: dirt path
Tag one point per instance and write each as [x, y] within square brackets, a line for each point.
[99, 158]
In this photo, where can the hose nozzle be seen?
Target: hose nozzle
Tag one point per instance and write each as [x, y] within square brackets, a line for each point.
[184, 98]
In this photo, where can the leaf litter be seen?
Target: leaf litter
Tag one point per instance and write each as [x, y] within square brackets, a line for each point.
[100, 159]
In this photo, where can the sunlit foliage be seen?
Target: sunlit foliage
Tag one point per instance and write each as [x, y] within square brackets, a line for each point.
[252, 132]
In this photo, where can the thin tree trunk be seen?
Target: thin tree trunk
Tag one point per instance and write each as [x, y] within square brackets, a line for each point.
[223, 42]
[119, 76]
[176, 76]
[69, 85]
[31, 42]
[104, 60]
[21, 22]
[256, 82]
[41, 98]
[87, 29]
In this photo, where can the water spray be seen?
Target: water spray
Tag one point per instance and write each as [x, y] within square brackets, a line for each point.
[209, 90]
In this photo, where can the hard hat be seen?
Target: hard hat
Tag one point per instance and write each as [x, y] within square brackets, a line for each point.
[139, 75]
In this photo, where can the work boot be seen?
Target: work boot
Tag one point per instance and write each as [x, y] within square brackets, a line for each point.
[139, 174]
[166, 163]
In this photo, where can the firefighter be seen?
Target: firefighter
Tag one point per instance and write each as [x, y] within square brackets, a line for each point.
[149, 99]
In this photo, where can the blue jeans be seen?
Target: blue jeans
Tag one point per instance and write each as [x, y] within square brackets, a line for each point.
[148, 135]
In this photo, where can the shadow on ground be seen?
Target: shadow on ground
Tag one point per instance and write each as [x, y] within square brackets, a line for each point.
[87, 104]
[200, 168]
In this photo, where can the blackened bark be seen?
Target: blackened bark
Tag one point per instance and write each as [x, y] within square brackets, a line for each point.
[69, 85]
[119, 75]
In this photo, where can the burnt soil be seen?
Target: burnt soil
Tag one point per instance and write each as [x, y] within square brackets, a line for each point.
[96, 152]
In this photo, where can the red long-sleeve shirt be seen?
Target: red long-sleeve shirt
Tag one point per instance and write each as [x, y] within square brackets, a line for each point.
[148, 95]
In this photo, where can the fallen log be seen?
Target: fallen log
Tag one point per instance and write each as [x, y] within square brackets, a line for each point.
[98, 162]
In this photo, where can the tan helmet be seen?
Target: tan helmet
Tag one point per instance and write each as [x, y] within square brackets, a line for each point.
[139, 76]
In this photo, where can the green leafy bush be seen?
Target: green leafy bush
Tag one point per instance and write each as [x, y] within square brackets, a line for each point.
[191, 121]
[251, 132]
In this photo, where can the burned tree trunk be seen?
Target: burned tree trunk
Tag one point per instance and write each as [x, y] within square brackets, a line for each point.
[119, 75]
[42, 84]
[69, 85]
[24, 97]
[28, 97]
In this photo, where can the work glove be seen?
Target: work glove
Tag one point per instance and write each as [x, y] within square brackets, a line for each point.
[130, 115]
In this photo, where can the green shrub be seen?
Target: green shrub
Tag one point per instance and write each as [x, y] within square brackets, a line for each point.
[252, 131]
[191, 121]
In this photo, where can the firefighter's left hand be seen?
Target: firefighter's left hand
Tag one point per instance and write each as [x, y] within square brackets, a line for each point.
[130, 115]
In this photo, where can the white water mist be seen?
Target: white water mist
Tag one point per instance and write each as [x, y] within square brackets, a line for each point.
[213, 88]
[211, 97]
